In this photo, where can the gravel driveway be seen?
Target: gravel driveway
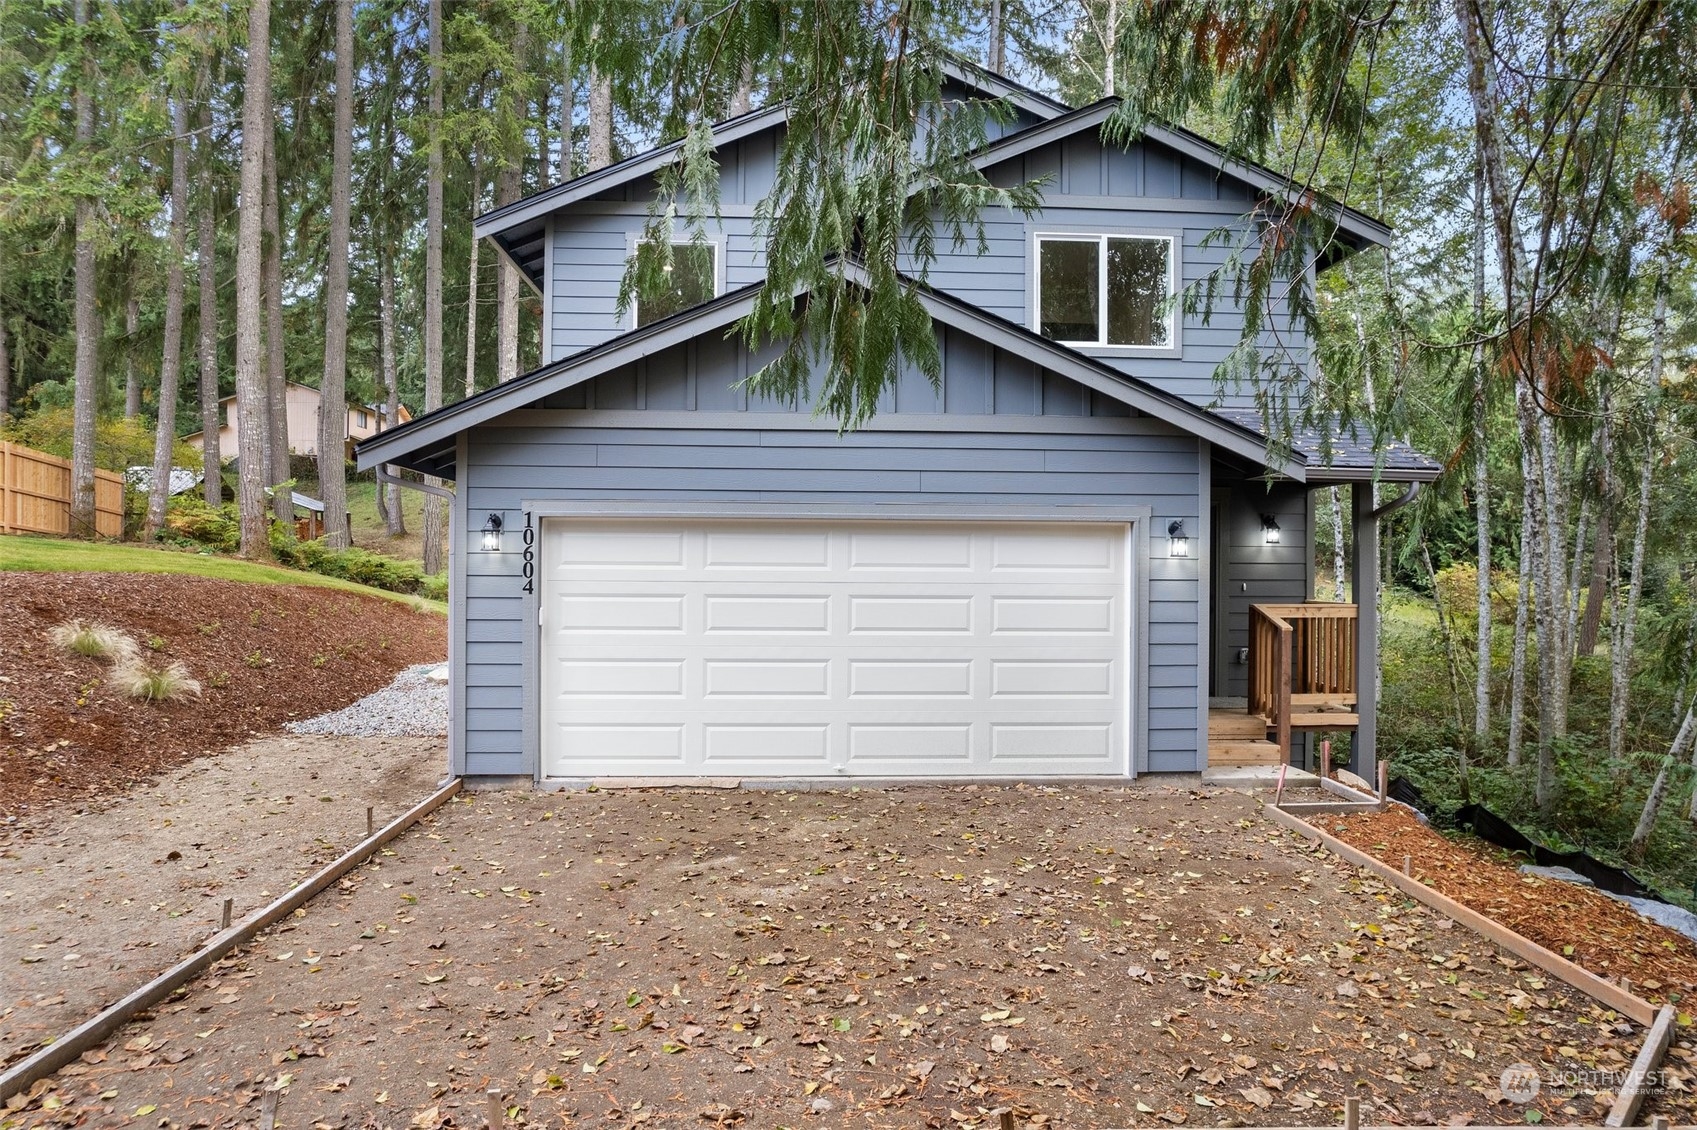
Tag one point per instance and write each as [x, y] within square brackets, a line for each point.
[903, 957]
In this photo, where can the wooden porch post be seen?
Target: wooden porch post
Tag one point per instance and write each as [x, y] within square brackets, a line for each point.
[1364, 580]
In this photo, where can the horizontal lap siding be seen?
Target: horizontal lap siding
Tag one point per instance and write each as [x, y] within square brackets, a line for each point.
[1150, 465]
[588, 257]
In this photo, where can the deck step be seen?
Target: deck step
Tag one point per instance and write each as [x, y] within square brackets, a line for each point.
[1242, 753]
[1235, 724]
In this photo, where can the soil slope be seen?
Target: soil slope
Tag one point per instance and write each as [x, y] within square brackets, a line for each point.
[264, 655]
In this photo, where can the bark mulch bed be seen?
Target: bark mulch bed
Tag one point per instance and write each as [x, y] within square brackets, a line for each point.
[1605, 936]
[264, 654]
[906, 957]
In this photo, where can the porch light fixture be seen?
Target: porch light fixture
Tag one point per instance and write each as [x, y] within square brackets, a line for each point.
[1178, 545]
[1269, 529]
[492, 534]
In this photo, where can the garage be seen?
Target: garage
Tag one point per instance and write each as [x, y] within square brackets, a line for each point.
[685, 647]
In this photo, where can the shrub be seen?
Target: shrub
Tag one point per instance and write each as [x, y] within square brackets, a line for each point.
[357, 565]
[155, 684]
[118, 443]
[190, 522]
[97, 641]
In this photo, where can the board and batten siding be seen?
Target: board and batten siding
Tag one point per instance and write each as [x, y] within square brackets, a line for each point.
[1251, 571]
[672, 430]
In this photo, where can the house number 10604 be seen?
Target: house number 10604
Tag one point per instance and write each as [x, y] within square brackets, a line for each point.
[529, 555]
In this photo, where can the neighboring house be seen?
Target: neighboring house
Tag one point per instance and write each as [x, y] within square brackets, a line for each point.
[1046, 567]
[364, 421]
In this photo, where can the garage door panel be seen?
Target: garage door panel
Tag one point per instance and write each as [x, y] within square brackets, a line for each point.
[1051, 678]
[766, 552]
[910, 678]
[779, 648]
[621, 613]
[767, 614]
[772, 678]
[605, 677]
[784, 746]
[944, 747]
[1053, 615]
[623, 746]
[910, 615]
[624, 548]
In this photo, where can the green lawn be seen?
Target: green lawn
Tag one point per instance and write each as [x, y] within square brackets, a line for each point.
[50, 555]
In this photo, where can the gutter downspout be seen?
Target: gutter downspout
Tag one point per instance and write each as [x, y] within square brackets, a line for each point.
[1410, 492]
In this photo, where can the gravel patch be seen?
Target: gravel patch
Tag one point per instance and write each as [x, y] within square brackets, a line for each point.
[414, 705]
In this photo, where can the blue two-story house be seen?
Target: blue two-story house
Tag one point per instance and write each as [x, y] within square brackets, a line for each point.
[1048, 566]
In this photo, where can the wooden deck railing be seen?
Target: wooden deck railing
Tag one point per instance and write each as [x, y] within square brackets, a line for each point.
[1302, 667]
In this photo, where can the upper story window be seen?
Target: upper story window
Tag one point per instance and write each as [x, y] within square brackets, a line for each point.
[363, 420]
[693, 277]
[1106, 290]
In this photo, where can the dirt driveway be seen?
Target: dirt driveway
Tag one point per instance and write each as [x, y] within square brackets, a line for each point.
[95, 902]
[912, 957]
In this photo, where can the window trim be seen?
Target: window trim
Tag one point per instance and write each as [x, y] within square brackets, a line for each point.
[635, 240]
[1100, 236]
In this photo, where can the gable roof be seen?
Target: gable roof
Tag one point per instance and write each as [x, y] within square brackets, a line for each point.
[427, 444]
[1358, 229]
[519, 228]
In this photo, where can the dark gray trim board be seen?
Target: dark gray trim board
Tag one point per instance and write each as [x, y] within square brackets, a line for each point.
[432, 431]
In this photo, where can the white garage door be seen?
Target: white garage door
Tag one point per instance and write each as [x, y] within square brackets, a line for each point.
[801, 648]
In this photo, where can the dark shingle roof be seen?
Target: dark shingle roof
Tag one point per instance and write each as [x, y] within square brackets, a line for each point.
[1345, 451]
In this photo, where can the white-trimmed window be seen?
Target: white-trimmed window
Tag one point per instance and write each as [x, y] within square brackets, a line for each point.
[693, 276]
[1106, 290]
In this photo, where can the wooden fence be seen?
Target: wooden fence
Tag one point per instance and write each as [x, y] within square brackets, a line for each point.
[35, 495]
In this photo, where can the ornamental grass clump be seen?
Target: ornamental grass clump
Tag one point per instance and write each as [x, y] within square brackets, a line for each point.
[96, 641]
[155, 684]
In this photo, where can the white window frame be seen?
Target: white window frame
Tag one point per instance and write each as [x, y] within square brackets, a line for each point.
[679, 239]
[1100, 237]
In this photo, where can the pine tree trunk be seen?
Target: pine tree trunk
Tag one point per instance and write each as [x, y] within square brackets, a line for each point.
[1640, 842]
[509, 284]
[568, 102]
[1580, 533]
[433, 505]
[206, 254]
[333, 383]
[1522, 618]
[1451, 653]
[1602, 542]
[132, 330]
[276, 377]
[995, 54]
[600, 119]
[471, 297]
[5, 372]
[251, 407]
[171, 360]
[742, 98]
[394, 522]
[1620, 661]
[86, 393]
[1481, 477]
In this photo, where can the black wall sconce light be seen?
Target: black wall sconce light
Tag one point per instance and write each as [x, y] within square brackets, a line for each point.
[492, 534]
[1178, 544]
[1269, 529]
